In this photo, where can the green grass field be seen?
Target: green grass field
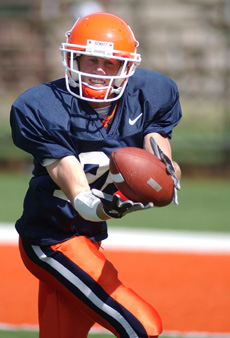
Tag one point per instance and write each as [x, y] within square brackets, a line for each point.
[204, 206]
[33, 334]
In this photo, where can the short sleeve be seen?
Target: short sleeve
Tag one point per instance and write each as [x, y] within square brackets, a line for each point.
[31, 135]
[166, 107]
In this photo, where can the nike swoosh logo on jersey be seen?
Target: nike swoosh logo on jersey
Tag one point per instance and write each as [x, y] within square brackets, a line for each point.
[132, 122]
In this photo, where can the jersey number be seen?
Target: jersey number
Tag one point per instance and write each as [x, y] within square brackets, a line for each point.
[99, 161]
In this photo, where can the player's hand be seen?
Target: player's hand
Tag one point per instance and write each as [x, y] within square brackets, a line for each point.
[115, 207]
[169, 166]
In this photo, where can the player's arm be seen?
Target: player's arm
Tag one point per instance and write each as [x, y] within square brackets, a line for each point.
[92, 205]
[69, 175]
[164, 145]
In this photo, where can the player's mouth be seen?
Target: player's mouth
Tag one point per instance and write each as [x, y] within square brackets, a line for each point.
[97, 82]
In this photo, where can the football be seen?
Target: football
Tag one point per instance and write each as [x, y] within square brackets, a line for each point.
[141, 176]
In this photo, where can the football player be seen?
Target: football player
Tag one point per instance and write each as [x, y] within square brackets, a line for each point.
[71, 126]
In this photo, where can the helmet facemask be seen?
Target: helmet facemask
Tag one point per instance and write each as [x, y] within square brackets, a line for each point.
[117, 83]
[100, 35]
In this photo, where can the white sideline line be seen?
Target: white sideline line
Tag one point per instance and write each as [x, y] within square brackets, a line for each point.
[150, 240]
[16, 327]
[8, 234]
[168, 241]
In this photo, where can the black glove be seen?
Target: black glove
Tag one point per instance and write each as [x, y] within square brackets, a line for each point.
[169, 167]
[115, 207]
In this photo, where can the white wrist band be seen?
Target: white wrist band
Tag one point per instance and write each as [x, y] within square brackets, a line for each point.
[86, 205]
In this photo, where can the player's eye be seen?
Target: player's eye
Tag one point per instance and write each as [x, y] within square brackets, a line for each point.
[109, 62]
[92, 60]
[112, 63]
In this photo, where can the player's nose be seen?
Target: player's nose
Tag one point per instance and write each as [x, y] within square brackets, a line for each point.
[100, 69]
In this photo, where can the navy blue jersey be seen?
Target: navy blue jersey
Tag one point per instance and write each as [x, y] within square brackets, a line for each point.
[48, 122]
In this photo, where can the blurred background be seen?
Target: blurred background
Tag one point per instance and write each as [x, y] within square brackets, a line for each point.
[188, 40]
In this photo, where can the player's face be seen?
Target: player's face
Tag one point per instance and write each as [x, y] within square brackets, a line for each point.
[98, 66]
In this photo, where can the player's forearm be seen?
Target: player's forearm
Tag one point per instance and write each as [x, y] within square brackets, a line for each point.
[177, 169]
[165, 146]
[68, 174]
[162, 142]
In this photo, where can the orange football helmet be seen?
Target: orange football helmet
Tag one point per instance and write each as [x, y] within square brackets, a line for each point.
[101, 35]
